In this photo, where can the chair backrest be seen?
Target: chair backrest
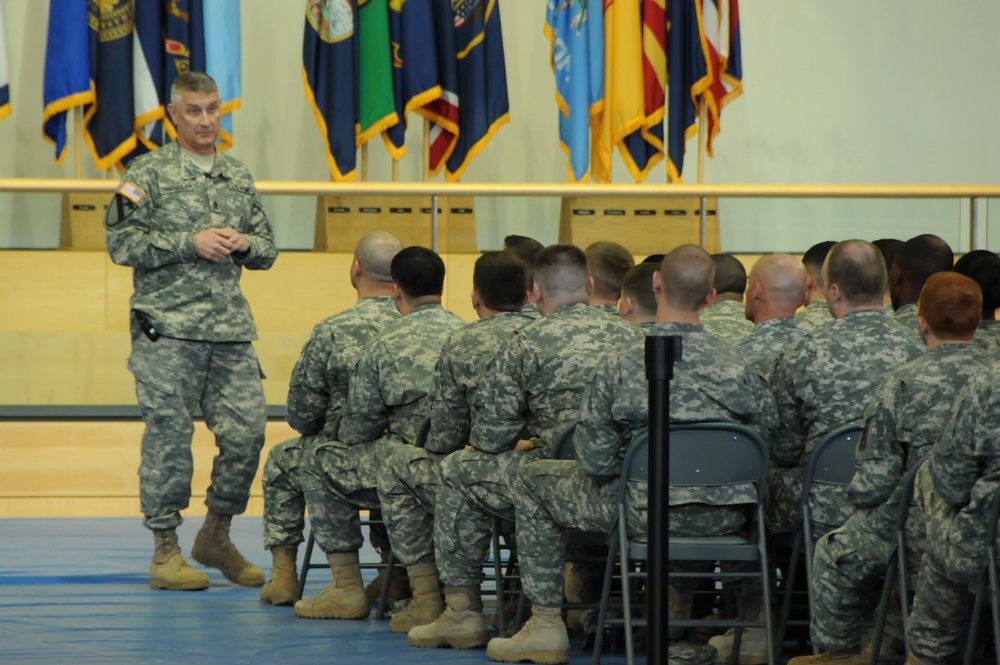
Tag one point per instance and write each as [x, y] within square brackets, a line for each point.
[717, 453]
[833, 459]
[562, 447]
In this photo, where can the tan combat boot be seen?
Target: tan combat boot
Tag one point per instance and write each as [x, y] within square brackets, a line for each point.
[169, 569]
[284, 584]
[213, 548]
[753, 646]
[890, 647]
[678, 607]
[461, 625]
[542, 640]
[345, 598]
[399, 588]
[825, 658]
[579, 588]
[426, 605]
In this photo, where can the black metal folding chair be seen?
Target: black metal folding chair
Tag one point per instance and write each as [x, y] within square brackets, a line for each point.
[987, 589]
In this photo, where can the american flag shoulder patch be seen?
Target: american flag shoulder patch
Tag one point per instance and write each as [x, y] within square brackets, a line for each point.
[131, 192]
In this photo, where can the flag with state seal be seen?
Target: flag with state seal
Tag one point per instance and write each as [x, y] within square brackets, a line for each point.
[685, 67]
[329, 64]
[482, 81]
[4, 76]
[415, 78]
[109, 121]
[575, 28]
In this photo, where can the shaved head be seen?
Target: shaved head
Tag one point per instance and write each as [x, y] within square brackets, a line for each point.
[783, 277]
[858, 269]
[686, 276]
[375, 252]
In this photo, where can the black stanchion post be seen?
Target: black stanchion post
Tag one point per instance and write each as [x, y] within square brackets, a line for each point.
[661, 353]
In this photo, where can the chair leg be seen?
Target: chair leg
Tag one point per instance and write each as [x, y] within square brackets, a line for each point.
[383, 599]
[789, 585]
[883, 608]
[977, 612]
[306, 565]
[602, 613]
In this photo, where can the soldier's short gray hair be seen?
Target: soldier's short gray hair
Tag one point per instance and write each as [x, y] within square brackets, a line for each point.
[191, 82]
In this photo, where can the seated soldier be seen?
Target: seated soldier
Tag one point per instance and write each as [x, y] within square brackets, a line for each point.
[316, 395]
[638, 302]
[526, 249]
[530, 394]
[607, 263]
[775, 289]
[983, 267]
[815, 313]
[387, 399]
[888, 247]
[956, 488]
[902, 422]
[408, 481]
[917, 259]
[723, 315]
[712, 382]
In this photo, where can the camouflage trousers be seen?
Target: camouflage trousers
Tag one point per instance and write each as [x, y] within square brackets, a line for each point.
[474, 489]
[848, 565]
[174, 377]
[939, 623]
[284, 498]
[337, 480]
[551, 496]
[705, 520]
[407, 491]
[828, 504]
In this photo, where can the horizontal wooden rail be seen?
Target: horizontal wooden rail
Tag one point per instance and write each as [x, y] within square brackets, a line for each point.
[307, 188]
[102, 412]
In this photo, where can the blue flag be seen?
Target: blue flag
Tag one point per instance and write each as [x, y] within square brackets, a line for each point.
[576, 31]
[482, 81]
[328, 72]
[685, 66]
[110, 133]
[147, 76]
[414, 67]
[222, 59]
[184, 43]
[67, 82]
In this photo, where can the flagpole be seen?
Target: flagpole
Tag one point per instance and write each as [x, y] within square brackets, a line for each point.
[78, 142]
[702, 139]
[395, 170]
[364, 162]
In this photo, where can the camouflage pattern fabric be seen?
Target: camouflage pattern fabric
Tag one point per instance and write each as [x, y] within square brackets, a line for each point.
[906, 316]
[316, 396]
[902, 422]
[172, 378]
[387, 399]
[726, 319]
[988, 335]
[813, 316]
[691, 654]
[821, 382]
[184, 296]
[407, 485]
[203, 357]
[768, 341]
[531, 311]
[532, 391]
[609, 309]
[712, 382]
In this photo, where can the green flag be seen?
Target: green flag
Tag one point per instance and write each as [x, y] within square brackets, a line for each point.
[376, 102]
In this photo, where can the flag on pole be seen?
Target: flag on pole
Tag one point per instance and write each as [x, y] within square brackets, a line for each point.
[376, 100]
[685, 67]
[328, 73]
[623, 111]
[109, 121]
[645, 147]
[414, 66]
[222, 60]
[719, 25]
[443, 112]
[184, 44]
[148, 59]
[576, 32]
[4, 76]
[482, 81]
[67, 83]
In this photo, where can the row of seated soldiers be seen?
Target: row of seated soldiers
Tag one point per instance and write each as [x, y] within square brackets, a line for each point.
[500, 390]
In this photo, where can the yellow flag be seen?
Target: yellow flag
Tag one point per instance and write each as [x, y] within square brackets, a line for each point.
[624, 109]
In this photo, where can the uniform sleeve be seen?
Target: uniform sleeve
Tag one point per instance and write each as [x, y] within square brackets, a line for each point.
[309, 390]
[366, 416]
[953, 466]
[504, 401]
[880, 454]
[450, 410]
[262, 253]
[598, 437]
[787, 443]
[133, 237]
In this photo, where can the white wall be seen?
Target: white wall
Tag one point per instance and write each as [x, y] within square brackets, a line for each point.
[899, 91]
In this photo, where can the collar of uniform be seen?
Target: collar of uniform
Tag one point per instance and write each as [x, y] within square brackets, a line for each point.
[947, 349]
[425, 308]
[189, 170]
[781, 322]
[672, 327]
[573, 308]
